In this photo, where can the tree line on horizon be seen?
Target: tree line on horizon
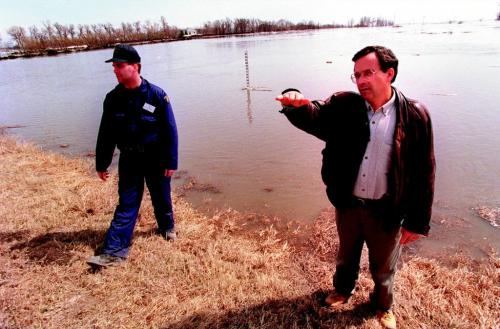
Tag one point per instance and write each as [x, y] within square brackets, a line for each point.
[58, 36]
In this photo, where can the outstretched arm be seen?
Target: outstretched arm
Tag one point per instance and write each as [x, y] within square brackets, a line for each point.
[302, 112]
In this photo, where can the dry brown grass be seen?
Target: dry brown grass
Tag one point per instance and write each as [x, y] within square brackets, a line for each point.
[54, 212]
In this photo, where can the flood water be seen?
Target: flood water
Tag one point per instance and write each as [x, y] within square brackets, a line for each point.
[237, 141]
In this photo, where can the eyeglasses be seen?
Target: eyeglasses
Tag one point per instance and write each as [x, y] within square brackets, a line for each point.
[366, 73]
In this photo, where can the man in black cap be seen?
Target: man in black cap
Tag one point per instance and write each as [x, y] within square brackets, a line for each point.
[138, 119]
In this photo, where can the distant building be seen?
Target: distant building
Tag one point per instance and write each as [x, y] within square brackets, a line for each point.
[189, 33]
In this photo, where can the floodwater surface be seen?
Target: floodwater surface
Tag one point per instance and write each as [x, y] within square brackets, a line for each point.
[237, 141]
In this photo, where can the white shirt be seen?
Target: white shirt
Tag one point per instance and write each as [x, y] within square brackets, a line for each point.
[372, 176]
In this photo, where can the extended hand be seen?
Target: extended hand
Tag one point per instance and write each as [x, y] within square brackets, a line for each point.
[292, 98]
[408, 237]
[169, 172]
[103, 175]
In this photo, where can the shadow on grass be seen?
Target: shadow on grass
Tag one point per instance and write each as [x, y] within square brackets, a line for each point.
[57, 247]
[7, 237]
[302, 312]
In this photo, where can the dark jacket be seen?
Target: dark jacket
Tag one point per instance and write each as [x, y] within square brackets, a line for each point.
[137, 121]
[342, 122]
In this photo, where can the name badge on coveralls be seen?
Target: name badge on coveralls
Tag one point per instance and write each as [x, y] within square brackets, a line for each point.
[149, 107]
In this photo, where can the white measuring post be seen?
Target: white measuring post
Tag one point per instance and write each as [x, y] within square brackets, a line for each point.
[247, 69]
[247, 72]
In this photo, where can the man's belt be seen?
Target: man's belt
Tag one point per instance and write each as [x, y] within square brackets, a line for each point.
[369, 203]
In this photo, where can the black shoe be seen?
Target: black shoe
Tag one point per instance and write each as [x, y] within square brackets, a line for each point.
[170, 235]
[104, 260]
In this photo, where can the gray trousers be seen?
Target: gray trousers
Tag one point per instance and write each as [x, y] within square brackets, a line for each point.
[356, 226]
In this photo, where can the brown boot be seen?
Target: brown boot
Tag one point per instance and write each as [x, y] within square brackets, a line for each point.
[335, 299]
[387, 319]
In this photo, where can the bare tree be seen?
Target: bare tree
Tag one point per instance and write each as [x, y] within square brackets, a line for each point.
[109, 33]
[284, 25]
[61, 34]
[49, 30]
[164, 26]
[228, 25]
[222, 27]
[364, 21]
[148, 28]
[265, 26]
[127, 30]
[98, 35]
[241, 25]
[86, 35]
[218, 27]
[137, 26]
[18, 34]
[81, 30]
[37, 37]
[71, 31]
[207, 28]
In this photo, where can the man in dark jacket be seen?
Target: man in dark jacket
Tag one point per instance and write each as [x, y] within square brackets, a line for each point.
[138, 119]
[378, 168]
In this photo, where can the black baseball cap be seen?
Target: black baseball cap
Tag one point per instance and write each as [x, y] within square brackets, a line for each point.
[125, 54]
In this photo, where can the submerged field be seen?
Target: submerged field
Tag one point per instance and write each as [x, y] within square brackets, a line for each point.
[229, 270]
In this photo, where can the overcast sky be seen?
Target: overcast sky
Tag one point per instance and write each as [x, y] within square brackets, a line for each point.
[193, 13]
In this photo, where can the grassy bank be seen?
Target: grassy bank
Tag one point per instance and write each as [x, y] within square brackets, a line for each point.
[54, 213]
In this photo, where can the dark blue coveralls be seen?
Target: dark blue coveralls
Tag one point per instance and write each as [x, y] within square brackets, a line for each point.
[140, 122]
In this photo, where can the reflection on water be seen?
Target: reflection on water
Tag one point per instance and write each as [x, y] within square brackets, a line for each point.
[249, 106]
[235, 138]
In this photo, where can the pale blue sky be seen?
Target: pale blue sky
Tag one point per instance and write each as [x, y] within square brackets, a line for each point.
[193, 13]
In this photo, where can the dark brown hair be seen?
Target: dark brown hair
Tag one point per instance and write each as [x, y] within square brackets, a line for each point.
[385, 56]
